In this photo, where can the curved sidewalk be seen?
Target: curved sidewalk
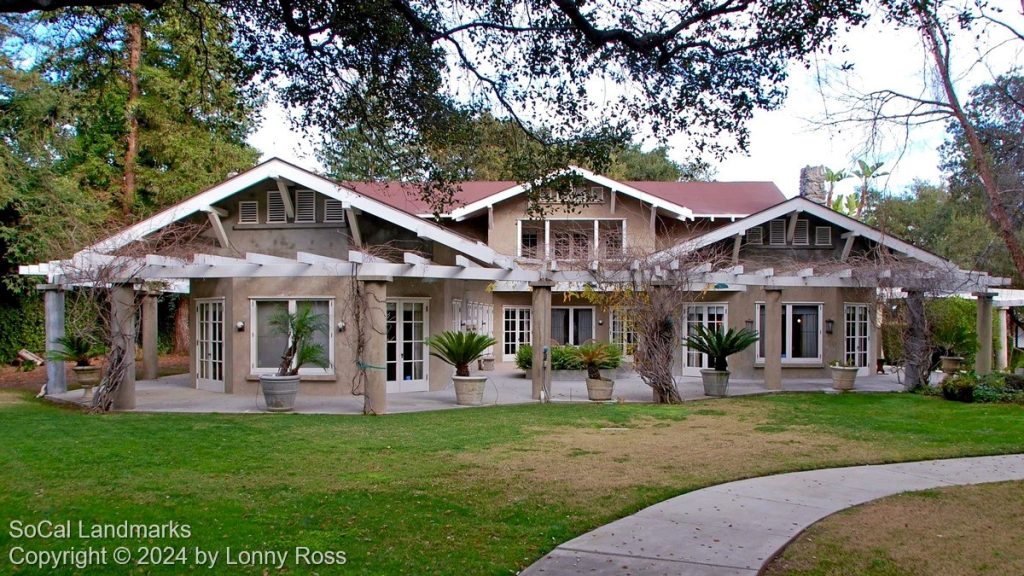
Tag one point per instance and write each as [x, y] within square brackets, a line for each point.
[733, 529]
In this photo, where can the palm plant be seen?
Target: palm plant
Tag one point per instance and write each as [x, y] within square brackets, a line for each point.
[459, 349]
[866, 172]
[833, 177]
[719, 345]
[300, 327]
[75, 348]
[595, 355]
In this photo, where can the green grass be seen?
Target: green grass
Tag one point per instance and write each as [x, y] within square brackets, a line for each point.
[423, 493]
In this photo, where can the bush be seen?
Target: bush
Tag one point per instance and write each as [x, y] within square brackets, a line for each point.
[22, 326]
[565, 358]
[953, 326]
[960, 387]
[1014, 382]
[1002, 388]
[524, 357]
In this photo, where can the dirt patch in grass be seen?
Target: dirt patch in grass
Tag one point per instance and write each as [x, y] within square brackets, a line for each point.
[16, 378]
[587, 464]
[960, 531]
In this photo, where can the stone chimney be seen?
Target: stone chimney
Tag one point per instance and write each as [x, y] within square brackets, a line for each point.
[812, 183]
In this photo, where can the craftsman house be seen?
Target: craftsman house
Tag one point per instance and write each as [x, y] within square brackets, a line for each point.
[387, 274]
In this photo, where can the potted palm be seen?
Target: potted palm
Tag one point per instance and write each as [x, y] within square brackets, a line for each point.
[80, 350]
[718, 345]
[844, 375]
[280, 389]
[953, 340]
[594, 356]
[460, 349]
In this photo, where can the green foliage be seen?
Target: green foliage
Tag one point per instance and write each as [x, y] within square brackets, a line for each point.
[952, 323]
[77, 348]
[595, 356]
[719, 344]
[22, 327]
[565, 358]
[459, 349]
[524, 357]
[301, 327]
[960, 387]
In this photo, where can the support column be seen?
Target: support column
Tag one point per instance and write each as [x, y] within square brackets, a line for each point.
[917, 350]
[541, 327]
[983, 360]
[53, 301]
[122, 335]
[771, 331]
[1002, 345]
[149, 336]
[375, 295]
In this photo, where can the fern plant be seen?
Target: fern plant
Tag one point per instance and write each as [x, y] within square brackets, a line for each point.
[719, 345]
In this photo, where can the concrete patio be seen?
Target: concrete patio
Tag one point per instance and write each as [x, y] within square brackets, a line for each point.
[174, 394]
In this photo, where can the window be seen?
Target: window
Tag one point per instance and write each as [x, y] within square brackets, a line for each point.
[572, 245]
[275, 208]
[517, 330]
[267, 344]
[801, 234]
[572, 325]
[801, 333]
[623, 334]
[249, 212]
[305, 206]
[856, 334]
[755, 235]
[822, 235]
[596, 195]
[457, 314]
[711, 316]
[334, 210]
[777, 232]
[528, 244]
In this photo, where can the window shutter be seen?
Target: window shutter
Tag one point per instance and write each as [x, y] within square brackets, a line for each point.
[305, 206]
[275, 208]
[822, 235]
[755, 235]
[777, 232]
[801, 235]
[333, 210]
[249, 212]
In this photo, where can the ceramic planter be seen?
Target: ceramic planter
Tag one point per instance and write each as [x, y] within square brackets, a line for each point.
[469, 390]
[716, 382]
[843, 377]
[600, 389]
[279, 392]
[87, 377]
[951, 364]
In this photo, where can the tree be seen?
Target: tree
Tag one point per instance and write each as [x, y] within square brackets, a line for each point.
[833, 177]
[631, 162]
[866, 172]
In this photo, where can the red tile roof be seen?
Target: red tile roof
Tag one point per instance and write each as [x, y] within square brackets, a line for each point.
[704, 198]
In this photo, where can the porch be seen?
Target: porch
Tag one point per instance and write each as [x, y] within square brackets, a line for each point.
[174, 394]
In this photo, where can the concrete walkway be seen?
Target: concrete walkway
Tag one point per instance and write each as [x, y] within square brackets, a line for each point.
[734, 529]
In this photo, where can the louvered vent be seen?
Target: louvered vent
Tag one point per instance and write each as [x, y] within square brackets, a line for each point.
[777, 232]
[249, 212]
[801, 236]
[755, 235]
[822, 235]
[305, 206]
[333, 210]
[275, 208]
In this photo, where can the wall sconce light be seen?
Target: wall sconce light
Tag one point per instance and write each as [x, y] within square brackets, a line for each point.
[829, 326]
[240, 326]
[341, 326]
[600, 322]
[750, 324]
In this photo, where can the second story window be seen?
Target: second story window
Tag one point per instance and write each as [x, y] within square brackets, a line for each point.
[528, 244]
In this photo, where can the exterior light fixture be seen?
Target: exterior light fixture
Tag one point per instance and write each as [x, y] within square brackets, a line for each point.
[750, 324]
[341, 326]
[240, 326]
[829, 326]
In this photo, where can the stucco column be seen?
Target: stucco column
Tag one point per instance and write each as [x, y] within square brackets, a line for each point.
[771, 331]
[149, 336]
[1002, 346]
[122, 335]
[53, 302]
[983, 360]
[375, 396]
[541, 328]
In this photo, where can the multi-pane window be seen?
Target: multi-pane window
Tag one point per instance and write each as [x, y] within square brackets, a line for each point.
[268, 344]
[623, 334]
[572, 245]
[800, 327]
[528, 244]
[457, 314]
[856, 335]
[572, 325]
[712, 317]
[516, 329]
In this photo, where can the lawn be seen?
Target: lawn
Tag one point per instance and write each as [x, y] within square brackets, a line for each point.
[961, 531]
[476, 491]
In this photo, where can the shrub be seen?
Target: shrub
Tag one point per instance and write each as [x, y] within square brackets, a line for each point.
[960, 387]
[953, 325]
[524, 357]
[1014, 382]
[22, 325]
[596, 356]
[565, 358]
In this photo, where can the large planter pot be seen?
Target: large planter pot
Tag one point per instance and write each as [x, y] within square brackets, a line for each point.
[950, 364]
[87, 377]
[279, 392]
[843, 377]
[600, 389]
[716, 382]
[469, 390]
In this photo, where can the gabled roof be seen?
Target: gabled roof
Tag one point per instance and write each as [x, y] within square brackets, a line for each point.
[276, 168]
[801, 204]
[407, 197]
[716, 199]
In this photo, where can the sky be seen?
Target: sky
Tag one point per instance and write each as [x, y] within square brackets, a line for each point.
[785, 140]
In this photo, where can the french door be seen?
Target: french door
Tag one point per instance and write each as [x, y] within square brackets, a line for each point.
[210, 344]
[857, 336]
[407, 363]
[711, 316]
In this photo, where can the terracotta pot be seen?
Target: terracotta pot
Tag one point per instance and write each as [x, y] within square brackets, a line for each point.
[843, 377]
[600, 389]
[716, 382]
[469, 390]
[279, 392]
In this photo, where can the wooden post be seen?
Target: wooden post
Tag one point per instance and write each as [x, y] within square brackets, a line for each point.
[541, 328]
[53, 301]
[771, 331]
[150, 356]
[1002, 346]
[983, 360]
[122, 335]
[375, 293]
